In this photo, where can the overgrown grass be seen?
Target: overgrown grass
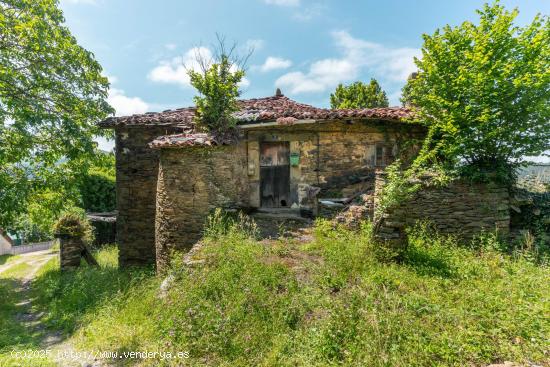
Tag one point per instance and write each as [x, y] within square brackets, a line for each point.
[15, 336]
[68, 297]
[64, 299]
[337, 300]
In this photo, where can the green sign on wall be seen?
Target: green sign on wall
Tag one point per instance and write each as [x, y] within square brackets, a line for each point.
[294, 159]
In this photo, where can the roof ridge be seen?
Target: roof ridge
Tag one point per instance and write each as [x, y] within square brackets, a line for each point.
[261, 109]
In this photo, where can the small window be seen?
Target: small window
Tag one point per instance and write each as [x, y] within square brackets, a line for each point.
[380, 156]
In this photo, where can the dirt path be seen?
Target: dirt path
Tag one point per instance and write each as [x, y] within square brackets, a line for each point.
[29, 257]
[23, 269]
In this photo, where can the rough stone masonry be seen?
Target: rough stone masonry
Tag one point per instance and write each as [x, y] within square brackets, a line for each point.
[460, 208]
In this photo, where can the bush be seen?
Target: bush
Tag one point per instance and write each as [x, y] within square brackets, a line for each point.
[74, 223]
[217, 82]
[98, 191]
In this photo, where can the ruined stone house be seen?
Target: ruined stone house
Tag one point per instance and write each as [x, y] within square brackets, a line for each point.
[288, 156]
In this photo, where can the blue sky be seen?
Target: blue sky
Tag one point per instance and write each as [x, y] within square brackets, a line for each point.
[305, 47]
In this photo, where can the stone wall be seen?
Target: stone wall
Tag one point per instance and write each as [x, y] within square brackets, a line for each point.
[192, 182]
[333, 155]
[461, 208]
[136, 176]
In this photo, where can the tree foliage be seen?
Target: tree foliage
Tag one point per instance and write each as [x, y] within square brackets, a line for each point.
[359, 95]
[97, 188]
[217, 82]
[51, 94]
[484, 90]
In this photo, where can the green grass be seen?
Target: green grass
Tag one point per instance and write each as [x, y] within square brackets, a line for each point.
[6, 259]
[68, 297]
[63, 299]
[14, 335]
[338, 300]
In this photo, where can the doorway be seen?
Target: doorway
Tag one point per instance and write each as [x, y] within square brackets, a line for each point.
[275, 174]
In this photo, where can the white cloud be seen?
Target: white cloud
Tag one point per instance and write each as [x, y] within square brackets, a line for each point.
[244, 83]
[174, 71]
[112, 79]
[124, 105]
[254, 44]
[395, 64]
[104, 144]
[391, 64]
[274, 63]
[170, 46]
[305, 14]
[283, 2]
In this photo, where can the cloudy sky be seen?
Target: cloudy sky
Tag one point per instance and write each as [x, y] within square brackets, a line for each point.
[305, 47]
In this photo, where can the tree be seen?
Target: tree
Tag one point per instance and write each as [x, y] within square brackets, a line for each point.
[484, 90]
[217, 82]
[359, 95]
[51, 94]
[97, 187]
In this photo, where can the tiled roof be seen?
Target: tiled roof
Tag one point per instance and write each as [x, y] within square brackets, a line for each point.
[184, 140]
[277, 108]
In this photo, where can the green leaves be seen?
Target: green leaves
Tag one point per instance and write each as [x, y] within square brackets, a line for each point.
[51, 94]
[484, 89]
[359, 95]
[218, 85]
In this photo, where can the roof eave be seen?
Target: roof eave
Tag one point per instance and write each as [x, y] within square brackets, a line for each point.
[275, 123]
[311, 121]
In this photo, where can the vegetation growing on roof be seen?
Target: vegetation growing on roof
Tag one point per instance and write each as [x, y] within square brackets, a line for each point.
[217, 81]
[75, 224]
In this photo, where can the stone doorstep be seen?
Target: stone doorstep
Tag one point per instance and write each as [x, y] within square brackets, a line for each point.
[289, 216]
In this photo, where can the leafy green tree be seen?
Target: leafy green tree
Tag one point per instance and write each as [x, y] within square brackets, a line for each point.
[43, 209]
[359, 95]
[484, 90]
[97, 187]
[217, 82]
[51, 94]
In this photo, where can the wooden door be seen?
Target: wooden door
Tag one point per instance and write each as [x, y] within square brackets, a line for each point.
[274, 174]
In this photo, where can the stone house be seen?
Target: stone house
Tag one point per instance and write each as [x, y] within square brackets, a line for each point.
[288, 156]
[6, 243]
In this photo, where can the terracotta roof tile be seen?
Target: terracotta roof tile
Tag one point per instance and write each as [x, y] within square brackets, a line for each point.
[195, 139]
[277, 108]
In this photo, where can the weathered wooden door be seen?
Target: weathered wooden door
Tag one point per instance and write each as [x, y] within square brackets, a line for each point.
[274, 174]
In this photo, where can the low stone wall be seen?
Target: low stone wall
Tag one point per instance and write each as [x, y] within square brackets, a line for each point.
[192, 182]
[461, 208]
[23, 249]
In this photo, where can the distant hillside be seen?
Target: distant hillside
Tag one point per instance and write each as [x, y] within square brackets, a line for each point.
[535, 177]
[538, 170]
